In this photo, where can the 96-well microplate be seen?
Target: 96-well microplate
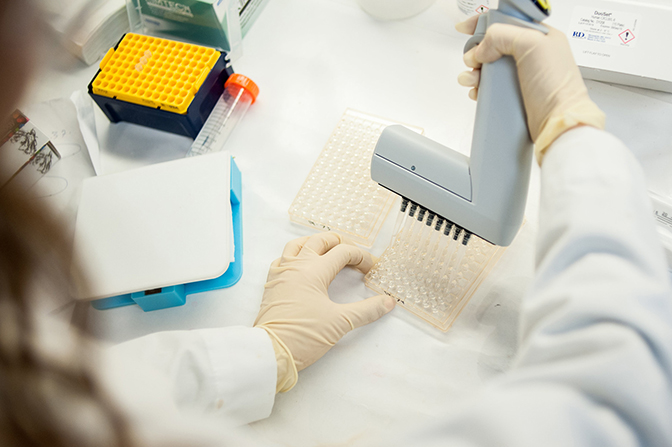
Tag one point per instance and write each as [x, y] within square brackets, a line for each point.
[338, 194]
[432, 267]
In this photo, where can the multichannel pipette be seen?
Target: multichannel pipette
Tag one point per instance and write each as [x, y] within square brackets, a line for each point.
[239, 93]
[486, 192]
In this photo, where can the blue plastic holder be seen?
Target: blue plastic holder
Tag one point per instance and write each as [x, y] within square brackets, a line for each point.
[177, 295]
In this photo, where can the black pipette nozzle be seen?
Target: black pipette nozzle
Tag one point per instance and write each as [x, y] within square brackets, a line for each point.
[430, 219]
[404, 204]
[449, 226]
[439, 222]
[421, 214]
[458, 230]
[414, 206]
[467, 236]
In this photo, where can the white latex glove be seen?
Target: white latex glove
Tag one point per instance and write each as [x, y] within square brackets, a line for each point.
[296, 311]
[555, 97]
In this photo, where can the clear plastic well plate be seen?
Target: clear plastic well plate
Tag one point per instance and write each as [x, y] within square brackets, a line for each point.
[338, 194]
[432, 267]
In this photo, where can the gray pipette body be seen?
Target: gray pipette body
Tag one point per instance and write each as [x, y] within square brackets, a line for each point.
[486, 192]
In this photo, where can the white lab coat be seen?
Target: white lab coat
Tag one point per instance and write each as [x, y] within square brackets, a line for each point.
[594, 365]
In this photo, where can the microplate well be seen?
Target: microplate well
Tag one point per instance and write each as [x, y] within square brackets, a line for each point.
[432, 267]
[338, 194]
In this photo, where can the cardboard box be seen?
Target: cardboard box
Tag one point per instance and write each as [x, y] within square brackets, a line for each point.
[249, 10]
[619, 41]
[213, 23]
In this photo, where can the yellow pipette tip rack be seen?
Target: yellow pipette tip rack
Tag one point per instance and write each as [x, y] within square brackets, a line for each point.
[154, 72]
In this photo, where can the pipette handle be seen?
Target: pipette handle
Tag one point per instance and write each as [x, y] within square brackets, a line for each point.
[501, 149]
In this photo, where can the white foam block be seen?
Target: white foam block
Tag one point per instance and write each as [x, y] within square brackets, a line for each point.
[155, 226]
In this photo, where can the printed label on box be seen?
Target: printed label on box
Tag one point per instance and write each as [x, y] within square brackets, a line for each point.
[170, 9]
[604, 26]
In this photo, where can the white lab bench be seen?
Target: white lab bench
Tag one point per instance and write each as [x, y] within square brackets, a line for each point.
[313, 59]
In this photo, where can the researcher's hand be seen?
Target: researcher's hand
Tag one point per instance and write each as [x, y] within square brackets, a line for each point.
[296, 311]
[555, 97]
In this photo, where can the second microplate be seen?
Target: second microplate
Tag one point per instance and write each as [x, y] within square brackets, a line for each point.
[338, 194]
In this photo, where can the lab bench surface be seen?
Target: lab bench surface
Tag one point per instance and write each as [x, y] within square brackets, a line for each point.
[312, 60]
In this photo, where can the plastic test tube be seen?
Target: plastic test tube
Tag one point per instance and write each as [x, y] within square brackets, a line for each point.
[239, 93]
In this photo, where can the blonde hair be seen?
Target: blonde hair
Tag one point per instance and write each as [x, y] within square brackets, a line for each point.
[33, 249]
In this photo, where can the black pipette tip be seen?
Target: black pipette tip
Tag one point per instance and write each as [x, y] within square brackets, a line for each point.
[404, 204]
[458, 230]
[439, 222]
[430, 219]
[414, 206]
[421, 214]
[449, 226]
[467, 236]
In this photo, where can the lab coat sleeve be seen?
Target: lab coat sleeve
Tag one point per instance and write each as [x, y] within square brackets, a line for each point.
[227, 373]
[594, 365]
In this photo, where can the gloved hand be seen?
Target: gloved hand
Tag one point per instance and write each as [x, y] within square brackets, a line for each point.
[555, 97]
[296, 311]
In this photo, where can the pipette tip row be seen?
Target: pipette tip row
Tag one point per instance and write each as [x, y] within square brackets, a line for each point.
[419, 212]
